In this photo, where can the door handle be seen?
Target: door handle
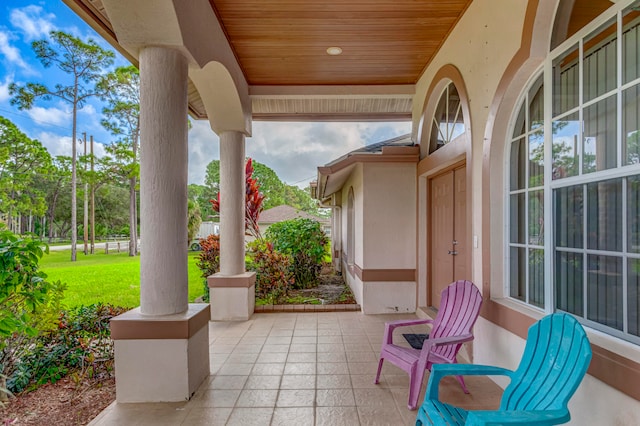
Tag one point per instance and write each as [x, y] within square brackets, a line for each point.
[452, 252]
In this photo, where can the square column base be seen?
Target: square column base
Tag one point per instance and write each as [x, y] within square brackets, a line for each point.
[233, 297]
[161, 359]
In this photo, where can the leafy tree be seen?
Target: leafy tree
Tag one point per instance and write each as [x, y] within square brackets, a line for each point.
[253, 201]
[121, 91]
[56, 180]
[22, 160]
[194, 219]
[84, 62]
[272, 187]
[276, 192]
[198, 193]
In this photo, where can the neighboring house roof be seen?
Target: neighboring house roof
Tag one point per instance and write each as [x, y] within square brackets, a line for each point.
[284, 212]
[333, 175]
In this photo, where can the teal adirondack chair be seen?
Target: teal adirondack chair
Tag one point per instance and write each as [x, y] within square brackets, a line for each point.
[555, 360]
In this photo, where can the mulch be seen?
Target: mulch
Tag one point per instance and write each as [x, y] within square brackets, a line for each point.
[62, 403]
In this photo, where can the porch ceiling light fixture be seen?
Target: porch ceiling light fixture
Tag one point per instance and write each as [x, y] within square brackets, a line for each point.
[334, 50]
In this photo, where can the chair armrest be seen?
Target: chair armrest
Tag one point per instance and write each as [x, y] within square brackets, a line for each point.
[404, 323]
[392, 325]
[442, 341]
[537, 417]
[438, 371]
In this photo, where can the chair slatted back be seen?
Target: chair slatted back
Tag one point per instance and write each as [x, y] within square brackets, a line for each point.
[459, 308]
[555, 360]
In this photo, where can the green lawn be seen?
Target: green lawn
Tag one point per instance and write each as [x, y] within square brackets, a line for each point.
[107, 278]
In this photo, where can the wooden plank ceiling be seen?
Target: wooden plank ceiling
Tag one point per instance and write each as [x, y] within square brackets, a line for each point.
[284, 42]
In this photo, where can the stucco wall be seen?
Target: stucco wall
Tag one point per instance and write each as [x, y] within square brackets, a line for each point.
[390, 220]
[355, 182]
[480, 47]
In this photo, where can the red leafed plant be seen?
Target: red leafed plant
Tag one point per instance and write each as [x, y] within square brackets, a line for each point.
[253, 201]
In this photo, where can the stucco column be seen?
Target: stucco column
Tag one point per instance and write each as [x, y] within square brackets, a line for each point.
[232, 290]
[232, 203]
[163, 181]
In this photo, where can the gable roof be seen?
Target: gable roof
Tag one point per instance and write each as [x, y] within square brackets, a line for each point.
[285, 212]
[333, 175]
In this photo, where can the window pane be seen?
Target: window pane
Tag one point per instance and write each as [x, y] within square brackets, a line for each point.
[633, 214]
[565, 81]
[633, 296]
[455, 123]
[517, 221]
[630, 45]
[568, 283]
[437, 139]
[536, 104]
[600, 64]
[631, 125]
[536, 277]
[568, 219]
[517, 271]
[566, 134]
[536, 218]
[518, 160]
[536, 159]
[604, 287]
[604, 215]
[600, 147]
[520, 126]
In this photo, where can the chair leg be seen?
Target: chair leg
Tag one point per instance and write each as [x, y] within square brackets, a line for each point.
[461, 380]
[415, 384]
[379, 370]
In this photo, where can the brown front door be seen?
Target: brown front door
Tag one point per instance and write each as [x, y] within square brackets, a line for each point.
[448, 230]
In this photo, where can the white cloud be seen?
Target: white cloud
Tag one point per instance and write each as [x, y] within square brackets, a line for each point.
[61, 145]
[292, 150]
[204, 146]
[4, 88]
[32, 21]
[52, 116]
[11, 53]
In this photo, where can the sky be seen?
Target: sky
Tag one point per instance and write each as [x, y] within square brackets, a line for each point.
[292, 150]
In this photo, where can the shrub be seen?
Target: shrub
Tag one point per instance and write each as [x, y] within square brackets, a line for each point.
[29, 304]
[305, 241]
[273, 271]
[80, 346]
[209, 260]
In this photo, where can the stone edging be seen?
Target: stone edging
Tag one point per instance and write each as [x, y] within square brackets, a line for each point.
[306, 308]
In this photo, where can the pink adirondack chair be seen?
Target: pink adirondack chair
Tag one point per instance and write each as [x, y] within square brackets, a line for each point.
[459, 308]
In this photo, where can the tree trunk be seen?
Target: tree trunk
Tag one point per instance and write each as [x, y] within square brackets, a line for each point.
[74, 213]
[133, 218]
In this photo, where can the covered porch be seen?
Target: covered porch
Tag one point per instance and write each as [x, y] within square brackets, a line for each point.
[299, 368]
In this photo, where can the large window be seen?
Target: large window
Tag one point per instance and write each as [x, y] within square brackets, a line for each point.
[574, 164]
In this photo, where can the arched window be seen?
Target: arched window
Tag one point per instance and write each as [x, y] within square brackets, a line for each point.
[574, 175]
[447, 123]
[351, 232]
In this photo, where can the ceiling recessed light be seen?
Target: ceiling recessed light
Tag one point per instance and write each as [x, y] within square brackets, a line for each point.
[334, 50]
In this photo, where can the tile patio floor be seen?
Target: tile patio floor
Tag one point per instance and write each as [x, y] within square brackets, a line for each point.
[299, 368]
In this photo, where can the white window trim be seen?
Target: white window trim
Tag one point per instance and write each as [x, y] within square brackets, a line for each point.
[626, 344]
